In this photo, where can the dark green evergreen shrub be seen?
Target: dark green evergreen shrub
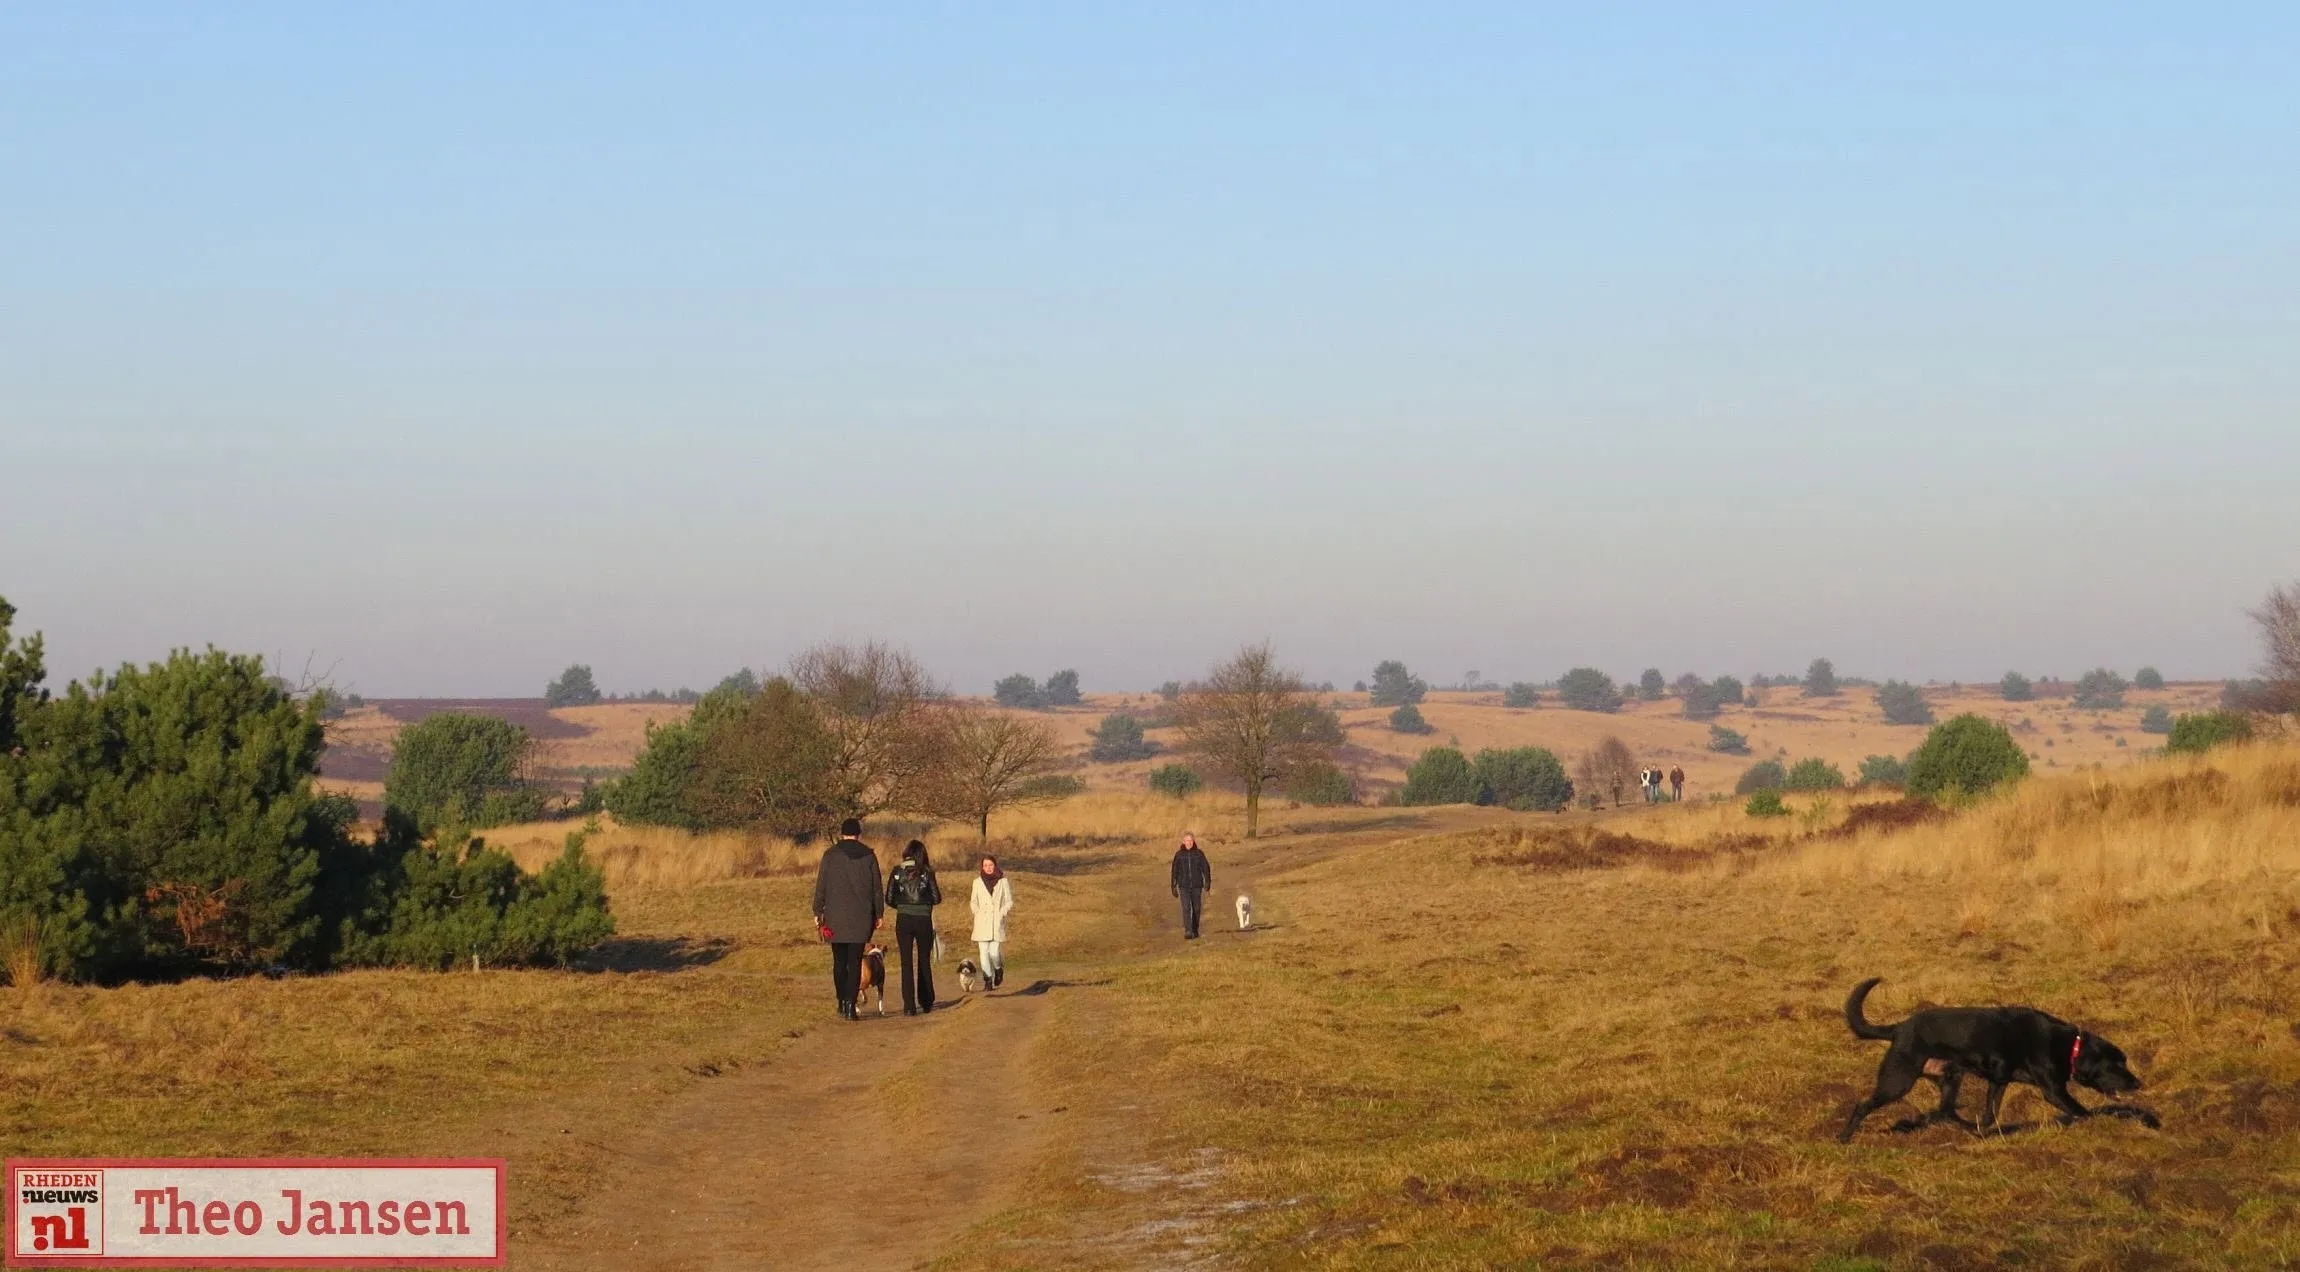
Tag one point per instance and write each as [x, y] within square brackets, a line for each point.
[2148, 678]
[2196, 734]
[1443, 775]
[1884, 770]
[1813, 774]
[2156, 720]
[2016, 687]
[1726, 741]
[1526, 778]
[1766, 803]
[573, 688]
[1408, 719]
[1119, 739]
[1699, 700]
[1588, 689]
[1062, 689]
[1764, 775]
[1322, 784]
[1821, 679]
[1177, 780]
[454, 769]
[1729, 690]
[1967, 755]
[1394, 686]
[1521, 695]
[1019, 692]
[2099, 690]
[1652, 686]
[1903, 703]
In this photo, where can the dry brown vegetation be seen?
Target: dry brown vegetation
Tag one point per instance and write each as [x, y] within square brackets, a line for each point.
[1465, 1037]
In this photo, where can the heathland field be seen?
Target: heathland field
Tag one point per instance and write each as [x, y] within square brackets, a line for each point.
[1457, 1037]
[599, 741]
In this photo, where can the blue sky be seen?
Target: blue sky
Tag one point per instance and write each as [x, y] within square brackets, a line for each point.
[445, 345]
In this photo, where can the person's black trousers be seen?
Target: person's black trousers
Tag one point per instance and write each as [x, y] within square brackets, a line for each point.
[1193, 905]
[914, 942]
[846, 969]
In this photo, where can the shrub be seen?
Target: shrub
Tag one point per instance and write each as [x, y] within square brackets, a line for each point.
[1322, 784]
[1019, 692]
[463, 770]
[1821, 679]
[1967, 755]
[1408, 719]
[2148, 678]
[1728, 689]
[1526, 778]
[1522, 694]
[2196, 734]
[768, 762]
[1588, 689]
[1062, 689]
[1049, 786]
[2244, 695]
[654, 792]
[1442, 775]
[1903, 703]
[1394, 686]
[1764, 775]
[573, 688]
[2099, 690]
[1171, 690]
[446, 907]
[1651, 686]
[1726, 741]
[1813, 774]
[2016, 687]
[2156, 720]
[1119, 739]
[1175, 779]
[1884, 770]
[1766, 803]
[1700, 701]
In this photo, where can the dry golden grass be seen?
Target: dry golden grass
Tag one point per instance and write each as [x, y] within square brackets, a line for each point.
[1432, 1062]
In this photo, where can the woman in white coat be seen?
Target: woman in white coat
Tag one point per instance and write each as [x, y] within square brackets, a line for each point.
[991, 899]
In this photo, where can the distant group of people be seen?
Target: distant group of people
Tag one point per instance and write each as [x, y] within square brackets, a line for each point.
[1650, 781]
[850, 906]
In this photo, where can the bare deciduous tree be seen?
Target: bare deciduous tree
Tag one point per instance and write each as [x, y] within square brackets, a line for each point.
[1253, 722]
[983, 761]
[2279, 619]
[873, 701]
[1607, 769]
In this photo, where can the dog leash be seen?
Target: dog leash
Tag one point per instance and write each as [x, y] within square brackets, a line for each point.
[2074, 1046]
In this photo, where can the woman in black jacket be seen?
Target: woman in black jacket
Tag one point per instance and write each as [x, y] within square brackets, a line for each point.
[913, 893]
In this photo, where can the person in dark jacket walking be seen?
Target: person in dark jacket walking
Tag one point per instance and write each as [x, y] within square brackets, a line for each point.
[1189, 879]
[913, 892]
[847, 910]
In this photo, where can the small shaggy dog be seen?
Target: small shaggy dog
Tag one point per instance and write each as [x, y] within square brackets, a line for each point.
[873, 977]
[970, 977]
[1245, 912]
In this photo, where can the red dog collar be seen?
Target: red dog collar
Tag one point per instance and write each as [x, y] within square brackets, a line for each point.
[2074, 1046]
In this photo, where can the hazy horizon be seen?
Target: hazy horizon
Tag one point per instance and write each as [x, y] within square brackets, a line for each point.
[447, 347]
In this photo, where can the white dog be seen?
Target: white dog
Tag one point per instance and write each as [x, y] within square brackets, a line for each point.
[970, 977]
[1245, 912]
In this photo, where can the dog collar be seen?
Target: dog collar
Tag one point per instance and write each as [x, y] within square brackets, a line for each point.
[2074, 1046]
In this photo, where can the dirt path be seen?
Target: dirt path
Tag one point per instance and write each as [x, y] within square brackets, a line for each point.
[838, 1155]
[790, 1165]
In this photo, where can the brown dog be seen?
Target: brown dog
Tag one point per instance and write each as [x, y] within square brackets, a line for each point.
[873, 976]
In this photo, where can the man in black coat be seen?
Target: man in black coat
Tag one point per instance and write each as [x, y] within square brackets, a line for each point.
[848, 908]
[1189, 879]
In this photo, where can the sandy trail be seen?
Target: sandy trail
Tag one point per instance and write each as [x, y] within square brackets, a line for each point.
[833, 1156]
[838, 1155]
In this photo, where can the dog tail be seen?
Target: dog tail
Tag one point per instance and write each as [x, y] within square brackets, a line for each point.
[1855, 1020]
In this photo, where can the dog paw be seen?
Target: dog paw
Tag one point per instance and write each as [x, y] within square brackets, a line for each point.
[1908, 1124]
